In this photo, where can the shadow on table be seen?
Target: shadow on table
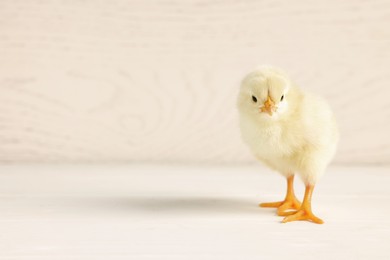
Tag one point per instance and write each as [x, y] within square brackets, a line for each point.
[166, 205]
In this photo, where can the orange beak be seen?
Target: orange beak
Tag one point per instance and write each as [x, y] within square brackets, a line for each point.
[269, 106]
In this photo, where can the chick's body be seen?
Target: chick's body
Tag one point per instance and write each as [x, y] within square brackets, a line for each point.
[302, 142]
[298, 135]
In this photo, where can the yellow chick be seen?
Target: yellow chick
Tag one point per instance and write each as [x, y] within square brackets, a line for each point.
[289, 130]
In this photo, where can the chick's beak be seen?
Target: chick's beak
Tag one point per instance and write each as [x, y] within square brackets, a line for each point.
[268, 107]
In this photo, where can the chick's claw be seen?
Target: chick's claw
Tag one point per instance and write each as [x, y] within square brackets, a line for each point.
[284, 209]
[271, 204]
[283, 206]
[303, 214]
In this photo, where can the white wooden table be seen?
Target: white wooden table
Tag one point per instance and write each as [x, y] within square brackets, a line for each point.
[186, 212]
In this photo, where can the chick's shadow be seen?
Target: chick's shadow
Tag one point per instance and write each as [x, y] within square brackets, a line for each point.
[169, 205]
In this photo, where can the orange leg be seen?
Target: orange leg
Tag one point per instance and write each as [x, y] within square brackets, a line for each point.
[305, 213]
[290, 201]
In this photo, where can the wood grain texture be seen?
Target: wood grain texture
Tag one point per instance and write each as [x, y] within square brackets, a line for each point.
[157, 80]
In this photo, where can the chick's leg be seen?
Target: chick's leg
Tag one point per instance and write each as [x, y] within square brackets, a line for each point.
[290, 201]
[305, 213]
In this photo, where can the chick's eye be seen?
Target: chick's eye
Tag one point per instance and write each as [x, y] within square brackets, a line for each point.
[281, 99]
[254, 99]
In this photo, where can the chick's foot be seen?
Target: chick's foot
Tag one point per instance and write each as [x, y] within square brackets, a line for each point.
[303, 214]
[285, 206]
[289, 202]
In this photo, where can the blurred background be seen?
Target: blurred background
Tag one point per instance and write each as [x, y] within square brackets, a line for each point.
[156, 81]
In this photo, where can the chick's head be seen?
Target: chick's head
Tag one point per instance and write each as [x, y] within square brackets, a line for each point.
[264, 93]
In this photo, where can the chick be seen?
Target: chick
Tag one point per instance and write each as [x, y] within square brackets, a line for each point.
[290, 131]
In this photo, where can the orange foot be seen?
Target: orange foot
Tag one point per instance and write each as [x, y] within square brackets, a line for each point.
[283, 206]
[303, 214]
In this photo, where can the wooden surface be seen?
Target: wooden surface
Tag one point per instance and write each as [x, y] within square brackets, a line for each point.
[171, 212]
[157, 80]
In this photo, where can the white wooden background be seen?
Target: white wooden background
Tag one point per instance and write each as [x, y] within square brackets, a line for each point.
[140, 80]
